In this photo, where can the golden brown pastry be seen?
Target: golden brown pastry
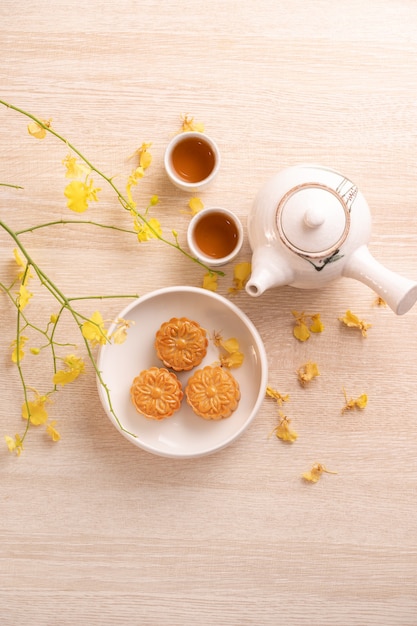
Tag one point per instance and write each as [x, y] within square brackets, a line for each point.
[181, 344]
[213, 393]
[156, 393]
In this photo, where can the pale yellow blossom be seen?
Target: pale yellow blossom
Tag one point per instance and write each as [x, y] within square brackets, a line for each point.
[74, 366]
[38, 131]
[52, 432]
[14, 445]
[93, 329]
[119, 335]
[79, 194]
[151, 229]
[34, 410]
[18, 351]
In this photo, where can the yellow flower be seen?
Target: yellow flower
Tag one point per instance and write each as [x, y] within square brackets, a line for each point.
[93, 330]
[38, 131]
[119, 335]
[233, 356]
[358, 403]
[210, 281]
[307, 372]
[79, 195]
[14, 445]
[154, 200]
[151, 229]
[34, 410]
[132, 181]
[352, 321]
[21, 263]
[145, 158]
[316, 325]
[195, 205]
[273, 393]
[24, 295]
[74, 367]
[35, 351]
[18, 353]
[303, 328]
[74, 168]
[316, 472]
[283, 430]
[301, 331]
[241, 273]
[188, 124]
[52, 432]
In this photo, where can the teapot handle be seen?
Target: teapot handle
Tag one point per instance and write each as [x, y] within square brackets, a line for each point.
[399, 293]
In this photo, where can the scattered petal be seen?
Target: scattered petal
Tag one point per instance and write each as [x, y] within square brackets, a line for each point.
[316, 472]
[195, 205]
[317, 325]
[241, 273]
[355, 403]
[307, 372]
[303, 327]
[119, 335]
[352, 321]
[279, 397]
[188, 124]
[210, 281]
[283, 430]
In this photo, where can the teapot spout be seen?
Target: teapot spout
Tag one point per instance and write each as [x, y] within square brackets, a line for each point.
[399, 293]
[269, 269]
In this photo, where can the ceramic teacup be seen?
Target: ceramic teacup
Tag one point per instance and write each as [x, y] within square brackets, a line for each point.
[192, 160]
[215, 236]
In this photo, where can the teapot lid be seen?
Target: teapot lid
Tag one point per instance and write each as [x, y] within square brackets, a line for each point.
[313, 220]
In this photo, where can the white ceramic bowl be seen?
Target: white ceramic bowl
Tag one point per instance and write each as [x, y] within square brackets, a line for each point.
[184, 435]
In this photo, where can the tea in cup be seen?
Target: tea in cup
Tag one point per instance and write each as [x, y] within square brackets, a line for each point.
[191, 161]
[215, 236]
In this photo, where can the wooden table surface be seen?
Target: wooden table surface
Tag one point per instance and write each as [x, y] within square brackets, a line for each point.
[97, 531]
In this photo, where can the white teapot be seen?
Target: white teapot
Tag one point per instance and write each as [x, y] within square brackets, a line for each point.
[310, 225]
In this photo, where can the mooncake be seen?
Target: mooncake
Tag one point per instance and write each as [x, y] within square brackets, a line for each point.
[156, 393]
[181, 344]
[213, 393]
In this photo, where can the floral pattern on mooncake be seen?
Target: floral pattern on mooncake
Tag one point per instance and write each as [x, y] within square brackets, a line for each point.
[181, 343]
[156, 393]
[213, 393]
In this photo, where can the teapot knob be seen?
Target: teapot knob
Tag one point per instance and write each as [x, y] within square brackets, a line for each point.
[314, 217]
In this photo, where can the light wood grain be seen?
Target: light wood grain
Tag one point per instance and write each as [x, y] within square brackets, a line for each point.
[95, 531]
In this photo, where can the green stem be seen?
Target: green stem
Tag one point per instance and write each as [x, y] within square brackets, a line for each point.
[10, 185]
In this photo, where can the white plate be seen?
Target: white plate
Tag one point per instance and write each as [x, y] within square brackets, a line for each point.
[184, 434]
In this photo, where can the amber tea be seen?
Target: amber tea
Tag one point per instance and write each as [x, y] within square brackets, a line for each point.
[193, 159]
[216, 235]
